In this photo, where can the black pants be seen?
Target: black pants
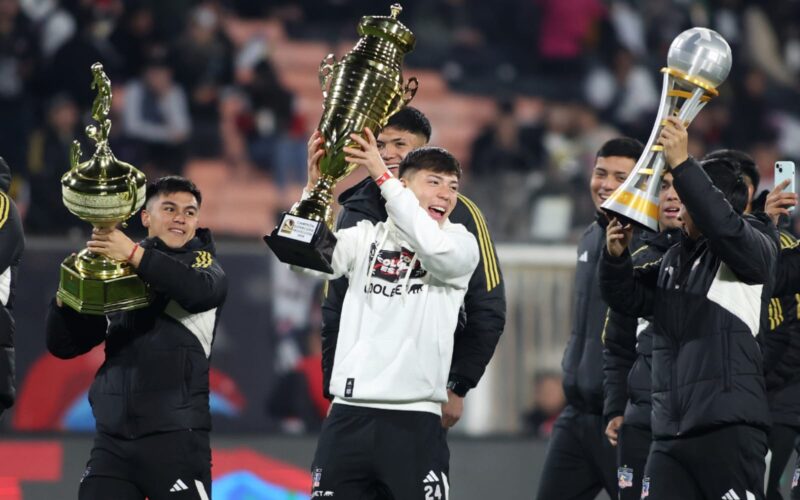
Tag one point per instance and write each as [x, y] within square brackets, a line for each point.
[633, 447]
[726, 463]
[580, 460]
[169, 466]
[370, 454]
[781, 440]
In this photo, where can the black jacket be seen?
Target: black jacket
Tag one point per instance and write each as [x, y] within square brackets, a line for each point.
[628, 345]
[484, 303]
[12, 244]
[782, 345]
[708, 300]
[155, 376]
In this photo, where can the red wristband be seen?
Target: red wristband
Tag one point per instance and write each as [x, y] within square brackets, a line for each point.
[383, 178]
[135, 247]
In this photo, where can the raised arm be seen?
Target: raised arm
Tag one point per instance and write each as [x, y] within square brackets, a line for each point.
[748, 251]
[196, 287]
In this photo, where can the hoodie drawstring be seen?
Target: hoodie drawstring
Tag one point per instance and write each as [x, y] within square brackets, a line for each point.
[404, 288]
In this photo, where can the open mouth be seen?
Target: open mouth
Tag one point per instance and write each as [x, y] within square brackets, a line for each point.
[437, 213]
[177, 231]
[672, 212]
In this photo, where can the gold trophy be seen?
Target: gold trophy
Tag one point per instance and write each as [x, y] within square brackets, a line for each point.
[104, 192]
[698, 62]
[362, 90]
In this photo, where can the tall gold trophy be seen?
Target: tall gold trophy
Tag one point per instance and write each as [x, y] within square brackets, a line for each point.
[104, 192]
[363, 89]
[698, 62]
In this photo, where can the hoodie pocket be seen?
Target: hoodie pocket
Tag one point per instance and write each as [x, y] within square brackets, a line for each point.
[377, 371]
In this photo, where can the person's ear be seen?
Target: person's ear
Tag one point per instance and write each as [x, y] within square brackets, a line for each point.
[403, 180]
[145, 218]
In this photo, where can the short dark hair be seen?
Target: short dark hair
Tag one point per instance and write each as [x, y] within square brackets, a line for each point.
[727, 177]
[172, 184]
[410, 119]
[435, 159]
[625, 147]
[744, 161]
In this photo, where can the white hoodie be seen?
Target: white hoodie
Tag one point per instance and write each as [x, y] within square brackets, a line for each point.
[396, 331]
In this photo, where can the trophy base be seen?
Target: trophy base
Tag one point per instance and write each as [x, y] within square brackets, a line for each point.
[302, 242]
[100, 296]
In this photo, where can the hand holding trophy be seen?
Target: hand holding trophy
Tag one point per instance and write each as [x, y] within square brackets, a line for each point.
[105, 192]
[361, 91]
[698, 61]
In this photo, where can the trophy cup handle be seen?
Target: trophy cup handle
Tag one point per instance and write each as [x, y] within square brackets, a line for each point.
[410, 90]
[75, 155]
[132, 194]
[325, 71]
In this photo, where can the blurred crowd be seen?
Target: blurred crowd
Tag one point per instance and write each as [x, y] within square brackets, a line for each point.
[566, 76]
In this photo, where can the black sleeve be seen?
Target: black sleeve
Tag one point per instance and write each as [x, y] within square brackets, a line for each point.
[747, 251]
[196, 287]
[7, 360]
[619, 353]
[12, 244]
[12, 239]
[484, 302]
[70, 333]
[332, 306]
[787, 278]
[621, 290]
[781, 366]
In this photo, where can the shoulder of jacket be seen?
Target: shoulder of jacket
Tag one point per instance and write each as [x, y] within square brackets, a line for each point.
[787, 240]
[5, 208]
[467, 214]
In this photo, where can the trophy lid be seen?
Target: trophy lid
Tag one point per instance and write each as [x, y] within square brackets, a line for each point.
[389, 28]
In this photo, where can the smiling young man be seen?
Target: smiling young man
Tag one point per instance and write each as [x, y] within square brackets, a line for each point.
[150, 398]
[627, 357]
[484, 303]
[580, 461]
[408, 277]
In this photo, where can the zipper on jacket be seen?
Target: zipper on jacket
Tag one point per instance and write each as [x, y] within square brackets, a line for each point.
[676, 414]
[126, 392]
[726, 356]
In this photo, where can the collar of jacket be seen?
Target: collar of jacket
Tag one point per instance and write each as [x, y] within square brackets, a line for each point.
[365, 197]
[663, 239]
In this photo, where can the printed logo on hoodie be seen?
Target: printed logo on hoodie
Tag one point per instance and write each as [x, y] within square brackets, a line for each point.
[392, 265]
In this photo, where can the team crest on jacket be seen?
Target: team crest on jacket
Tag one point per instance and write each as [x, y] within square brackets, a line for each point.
[624, 477]
[316, 477]
[392, 265]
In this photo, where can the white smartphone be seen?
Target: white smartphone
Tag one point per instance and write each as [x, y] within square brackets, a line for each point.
[785, 170]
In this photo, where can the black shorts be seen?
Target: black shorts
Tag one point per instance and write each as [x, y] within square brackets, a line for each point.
[167, 466]
[726, 463]
[368, 453]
